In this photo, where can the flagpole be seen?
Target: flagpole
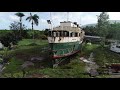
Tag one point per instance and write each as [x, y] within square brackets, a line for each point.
[51, 20]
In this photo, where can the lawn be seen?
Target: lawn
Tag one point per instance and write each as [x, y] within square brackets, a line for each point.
[102, 55]
[25, 51]
[75, 69]
[25, 42]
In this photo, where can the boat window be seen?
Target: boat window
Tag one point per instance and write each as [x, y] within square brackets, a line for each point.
[71, 34]
[66, 34]
[118, 46]
[54, 34]
[76, 34]
[60, 33]
[49, 34]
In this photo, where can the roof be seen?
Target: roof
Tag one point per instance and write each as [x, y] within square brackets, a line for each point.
[66, 22]
[92, 36]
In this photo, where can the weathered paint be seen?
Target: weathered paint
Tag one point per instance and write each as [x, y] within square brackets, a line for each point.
[63, 39]
[65, 45]
[65, 49]
[65, 55]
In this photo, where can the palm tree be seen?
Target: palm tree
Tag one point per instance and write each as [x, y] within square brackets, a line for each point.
[34, 18]
[19, 14]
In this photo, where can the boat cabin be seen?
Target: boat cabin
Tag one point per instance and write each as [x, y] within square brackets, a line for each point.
[66, 29]
[63, 34]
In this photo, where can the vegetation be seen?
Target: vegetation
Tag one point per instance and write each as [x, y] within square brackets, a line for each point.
[103, 55]
[24, 49]
[75, 69]
[91, 30]
[114, 31]
[34, 18]
[13, 66]
[20, 15]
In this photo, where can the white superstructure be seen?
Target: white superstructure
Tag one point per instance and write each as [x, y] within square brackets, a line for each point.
[66, 32]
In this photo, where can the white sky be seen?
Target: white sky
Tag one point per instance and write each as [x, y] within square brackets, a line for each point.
[82, 18]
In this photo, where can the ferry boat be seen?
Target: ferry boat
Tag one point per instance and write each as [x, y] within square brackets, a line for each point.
[66, 39]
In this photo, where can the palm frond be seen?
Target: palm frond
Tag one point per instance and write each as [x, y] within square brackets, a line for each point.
[19, 14]
[30, 14]
[36, 21]
[36, 16]
[29, 18]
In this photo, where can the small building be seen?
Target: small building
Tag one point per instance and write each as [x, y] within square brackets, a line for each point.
[92, 39]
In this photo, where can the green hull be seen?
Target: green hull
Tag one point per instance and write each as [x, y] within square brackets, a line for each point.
[65, 49]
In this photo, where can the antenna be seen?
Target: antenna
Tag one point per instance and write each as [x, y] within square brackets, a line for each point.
[80, 21]
[67, 16]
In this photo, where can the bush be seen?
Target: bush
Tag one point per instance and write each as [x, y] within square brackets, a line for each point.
[9, 37]
[13, 66]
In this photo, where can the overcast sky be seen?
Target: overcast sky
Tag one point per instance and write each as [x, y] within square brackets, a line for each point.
[82, 18]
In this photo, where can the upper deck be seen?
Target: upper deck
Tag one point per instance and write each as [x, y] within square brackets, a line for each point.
[68, 26]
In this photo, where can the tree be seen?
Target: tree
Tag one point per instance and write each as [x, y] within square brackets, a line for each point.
[15, 26]
[103, 26]
[46, 32]
[114, 31]
[20, 15]
[34, 18]
[15, 30]
[90, 30]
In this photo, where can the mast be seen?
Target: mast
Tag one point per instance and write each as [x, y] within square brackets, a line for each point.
[67, 16]
[80, 21]
[51, 20]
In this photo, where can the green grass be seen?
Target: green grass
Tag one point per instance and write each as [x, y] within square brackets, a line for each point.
[77, 70]
[24, 52]
[74, 69]
[13, 67]
[87, 49]
[25, 47]
[104, 55]
[25, 42]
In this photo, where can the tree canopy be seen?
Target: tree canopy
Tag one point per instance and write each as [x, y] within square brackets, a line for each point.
[103, 24]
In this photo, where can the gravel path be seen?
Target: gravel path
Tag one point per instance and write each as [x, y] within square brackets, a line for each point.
[91, 66]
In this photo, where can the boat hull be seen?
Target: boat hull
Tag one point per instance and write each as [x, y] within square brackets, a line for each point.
[61, 50]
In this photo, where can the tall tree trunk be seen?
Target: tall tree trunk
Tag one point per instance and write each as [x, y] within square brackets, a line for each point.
[20, 26]
[32, 30]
